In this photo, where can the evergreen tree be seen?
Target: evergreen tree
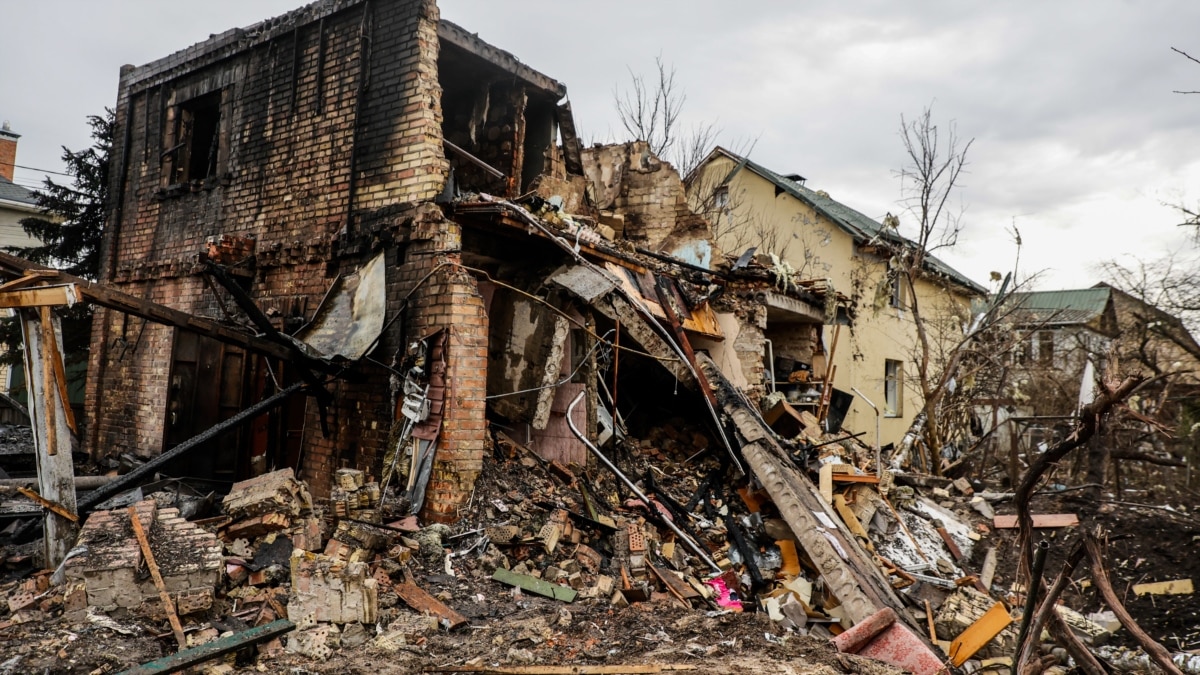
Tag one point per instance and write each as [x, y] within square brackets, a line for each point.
[70, 229]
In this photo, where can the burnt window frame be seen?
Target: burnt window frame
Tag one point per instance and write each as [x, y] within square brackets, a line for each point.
[181, 163]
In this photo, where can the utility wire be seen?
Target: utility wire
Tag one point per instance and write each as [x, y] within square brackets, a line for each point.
[31, 168]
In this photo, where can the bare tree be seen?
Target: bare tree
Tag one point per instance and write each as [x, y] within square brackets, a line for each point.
[651, 110]
[935, 160]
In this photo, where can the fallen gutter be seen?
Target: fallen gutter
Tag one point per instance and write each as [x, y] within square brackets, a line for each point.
[211, 650]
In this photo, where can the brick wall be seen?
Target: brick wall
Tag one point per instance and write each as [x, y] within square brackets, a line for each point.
[318, 157]
[8, 153]
[450, 299]
[646, 190]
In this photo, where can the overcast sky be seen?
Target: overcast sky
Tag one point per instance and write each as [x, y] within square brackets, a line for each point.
[1078, 136]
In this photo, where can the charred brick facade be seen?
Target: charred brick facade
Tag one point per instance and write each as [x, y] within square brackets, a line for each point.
[316, 139]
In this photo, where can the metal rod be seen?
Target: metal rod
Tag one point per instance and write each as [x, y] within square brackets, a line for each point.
[1031, 592]
[634, 488]
[474, 160]
[771, 361]
[878, 450]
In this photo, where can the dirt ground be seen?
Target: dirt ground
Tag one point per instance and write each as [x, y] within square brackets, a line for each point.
[1148, 543]
[514, 632]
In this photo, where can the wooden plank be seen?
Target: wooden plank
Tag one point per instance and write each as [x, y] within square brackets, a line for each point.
[989, 570]
[168, 604]
[50, 296]
[53, 506]
[416, 597]
[673, 583]
[851, 520]
[534, 585]
[1176, 587]
[55, 357]
[49, 408]
[211, 650]
[855, 478]
[1039, 520]
[979, 634]
[790, 568]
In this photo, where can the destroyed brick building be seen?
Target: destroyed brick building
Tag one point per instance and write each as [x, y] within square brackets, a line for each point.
[361, 280]
[267, 166]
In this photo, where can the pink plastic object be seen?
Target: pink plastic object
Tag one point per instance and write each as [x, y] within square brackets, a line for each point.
[726, 597]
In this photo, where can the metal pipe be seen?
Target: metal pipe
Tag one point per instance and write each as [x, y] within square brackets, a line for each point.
[634, 488]
[771, 361]
[1031, 593]
[878, 450]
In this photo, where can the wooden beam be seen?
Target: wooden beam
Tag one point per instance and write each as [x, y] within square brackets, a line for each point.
[211, 650]
[419, 599]
[59, 370]
[51, 437]
[109, 297]
[979, 634]
[49, 296]
[46, 503]
[168, 604]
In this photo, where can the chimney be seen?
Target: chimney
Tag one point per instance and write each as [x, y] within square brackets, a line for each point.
[8, 151]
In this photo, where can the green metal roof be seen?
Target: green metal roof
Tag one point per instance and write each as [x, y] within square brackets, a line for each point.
[1063, 307]
[860, 226]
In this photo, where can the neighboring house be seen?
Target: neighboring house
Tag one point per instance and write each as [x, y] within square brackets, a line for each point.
[1058, 331]
[1054, 345]
[1154, 338]
[821, 238]
[16, 204]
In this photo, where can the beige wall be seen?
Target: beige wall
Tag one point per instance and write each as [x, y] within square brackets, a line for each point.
[11, 233]
[818, 248]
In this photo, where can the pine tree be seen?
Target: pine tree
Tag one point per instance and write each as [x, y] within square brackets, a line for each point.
[70, 229]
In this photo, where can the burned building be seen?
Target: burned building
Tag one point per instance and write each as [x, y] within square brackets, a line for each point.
[373, 187]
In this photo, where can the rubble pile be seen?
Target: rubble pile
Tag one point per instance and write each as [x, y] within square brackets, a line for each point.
[547, 551]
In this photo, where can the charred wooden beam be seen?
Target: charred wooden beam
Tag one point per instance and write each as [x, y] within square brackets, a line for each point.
[106, 296]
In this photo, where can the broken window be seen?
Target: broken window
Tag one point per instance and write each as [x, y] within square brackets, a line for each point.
[893, 390]
[897, 299]
[1046, 348]
[721, 198]
[196, 152]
